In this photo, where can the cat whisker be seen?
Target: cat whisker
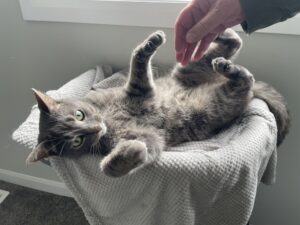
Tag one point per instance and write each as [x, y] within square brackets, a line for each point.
[97, 148]
[92, 150]
[53, 147]
[62, 148]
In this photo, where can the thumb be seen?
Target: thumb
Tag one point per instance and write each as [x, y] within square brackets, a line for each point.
[205, 26]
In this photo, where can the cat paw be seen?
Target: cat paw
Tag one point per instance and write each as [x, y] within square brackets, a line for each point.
[230, 38]
[149, 46]
[222, 65]
[232, 71]
[155, 40]
[126, 157]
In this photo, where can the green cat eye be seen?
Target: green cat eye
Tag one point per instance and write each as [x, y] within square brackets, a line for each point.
[79, 115]
[78, 141]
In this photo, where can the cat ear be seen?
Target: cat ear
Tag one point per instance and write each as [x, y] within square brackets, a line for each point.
[38, 153]
[45, 102]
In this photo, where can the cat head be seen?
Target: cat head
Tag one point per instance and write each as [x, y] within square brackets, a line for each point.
[66, 126]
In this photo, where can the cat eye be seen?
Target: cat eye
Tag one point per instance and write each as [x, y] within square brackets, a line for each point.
[79, 115]
[78, 141]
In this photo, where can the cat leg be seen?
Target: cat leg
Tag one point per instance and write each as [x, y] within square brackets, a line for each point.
[238, 76]
[195, 73]
[232, 97]
[126, 156]
[140, 82]
[130, 155]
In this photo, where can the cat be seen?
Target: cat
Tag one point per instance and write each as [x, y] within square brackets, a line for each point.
[131, 125]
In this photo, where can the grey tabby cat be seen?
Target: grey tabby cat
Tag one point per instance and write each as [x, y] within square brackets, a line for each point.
[131, 125]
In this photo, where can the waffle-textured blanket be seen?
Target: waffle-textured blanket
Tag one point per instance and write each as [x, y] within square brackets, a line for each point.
[211, 182]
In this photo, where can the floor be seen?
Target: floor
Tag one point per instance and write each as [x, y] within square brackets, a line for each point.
[25, 206]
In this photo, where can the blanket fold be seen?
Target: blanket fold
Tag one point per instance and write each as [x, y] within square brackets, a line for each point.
[208, 182]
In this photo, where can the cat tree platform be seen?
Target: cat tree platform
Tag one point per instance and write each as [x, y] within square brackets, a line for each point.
[208, 182]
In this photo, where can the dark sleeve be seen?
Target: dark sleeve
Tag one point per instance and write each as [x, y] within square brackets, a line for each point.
[263, 13]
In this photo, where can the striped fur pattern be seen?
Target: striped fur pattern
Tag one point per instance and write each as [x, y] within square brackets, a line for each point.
[133, 124]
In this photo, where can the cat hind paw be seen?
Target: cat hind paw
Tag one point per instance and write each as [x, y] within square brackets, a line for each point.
[222, 65]
[231, 71]
[150, 45]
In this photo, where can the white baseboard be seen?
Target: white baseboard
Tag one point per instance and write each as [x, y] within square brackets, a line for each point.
[3, 195]
[37, 183]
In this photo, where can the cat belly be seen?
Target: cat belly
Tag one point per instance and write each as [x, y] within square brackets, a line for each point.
[184, 112]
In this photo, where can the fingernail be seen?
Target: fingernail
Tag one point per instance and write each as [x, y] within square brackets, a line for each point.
[191, 38]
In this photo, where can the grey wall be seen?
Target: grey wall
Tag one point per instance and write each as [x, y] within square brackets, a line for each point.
[45, 55]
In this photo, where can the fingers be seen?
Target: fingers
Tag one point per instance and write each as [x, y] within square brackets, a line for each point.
[198, 51]
[205, 26]
[188, 54]
[203, 21]
[206, 41]
[204, 44]
[183, 23]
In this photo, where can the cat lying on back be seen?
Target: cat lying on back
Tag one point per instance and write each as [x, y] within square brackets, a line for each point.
[131, 125]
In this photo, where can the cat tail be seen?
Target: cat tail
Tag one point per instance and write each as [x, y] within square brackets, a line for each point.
[277, 106]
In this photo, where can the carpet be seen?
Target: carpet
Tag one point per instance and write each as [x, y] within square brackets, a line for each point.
[25, 206]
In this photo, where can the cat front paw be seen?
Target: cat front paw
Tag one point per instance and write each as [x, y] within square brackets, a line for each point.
[126, 157]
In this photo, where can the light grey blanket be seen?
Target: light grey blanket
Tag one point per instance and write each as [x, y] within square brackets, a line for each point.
[211, 182]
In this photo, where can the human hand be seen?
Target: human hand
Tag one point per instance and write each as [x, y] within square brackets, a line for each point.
[200, 22]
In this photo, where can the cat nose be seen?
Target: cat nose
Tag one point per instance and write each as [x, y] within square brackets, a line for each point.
[96, 128]
[93, 129]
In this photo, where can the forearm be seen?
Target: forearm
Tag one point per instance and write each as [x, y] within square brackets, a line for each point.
[263, 13]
